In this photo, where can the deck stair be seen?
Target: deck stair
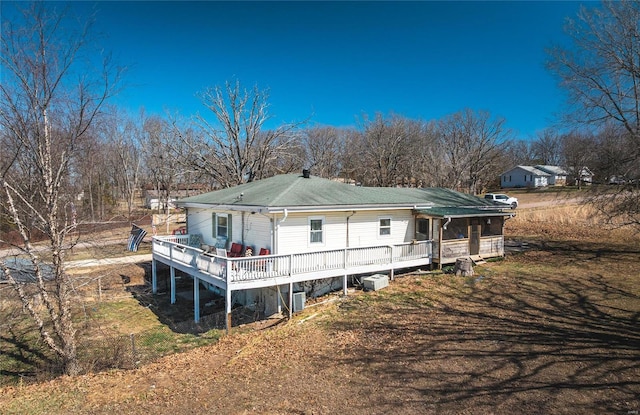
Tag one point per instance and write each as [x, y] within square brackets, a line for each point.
[477, 259]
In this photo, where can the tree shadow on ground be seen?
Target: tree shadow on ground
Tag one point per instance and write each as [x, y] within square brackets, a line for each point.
[525, 344]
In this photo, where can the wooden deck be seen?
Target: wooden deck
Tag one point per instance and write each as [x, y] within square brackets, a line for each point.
[270, 270]
[232, 274]
[489, 247]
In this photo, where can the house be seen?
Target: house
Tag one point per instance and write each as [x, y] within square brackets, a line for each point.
[557, 175]
[155, 199]
[303, 229]
[584, 176]
[524, 176]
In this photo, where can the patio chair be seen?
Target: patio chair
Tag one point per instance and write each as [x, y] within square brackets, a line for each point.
[221, 242]
[262, 265]
[236, 250]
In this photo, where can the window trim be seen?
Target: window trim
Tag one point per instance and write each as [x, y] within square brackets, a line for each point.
[311, 232]
[216, 217]
[381, 227]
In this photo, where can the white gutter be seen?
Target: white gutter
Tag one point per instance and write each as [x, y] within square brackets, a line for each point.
[444, 226]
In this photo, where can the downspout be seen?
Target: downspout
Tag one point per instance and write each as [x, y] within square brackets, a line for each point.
[353, 212]
[277, 229]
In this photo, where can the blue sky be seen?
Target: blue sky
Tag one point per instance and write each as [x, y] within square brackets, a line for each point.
[332, 62]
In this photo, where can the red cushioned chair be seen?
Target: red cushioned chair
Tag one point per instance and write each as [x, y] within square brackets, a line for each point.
[236, 250]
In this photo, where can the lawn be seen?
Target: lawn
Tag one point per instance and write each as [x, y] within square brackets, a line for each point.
[552, 329]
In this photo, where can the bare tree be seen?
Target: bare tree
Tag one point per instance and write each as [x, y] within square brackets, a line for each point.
[519, 152]
[161, 160]
[323, 147]
[122, 138]
[48, 101]
[577, 150]
[381, 149]
[609, 146]
[428, 155]
[235, 147]
[474, 143]
[547, 148]
[601, 72]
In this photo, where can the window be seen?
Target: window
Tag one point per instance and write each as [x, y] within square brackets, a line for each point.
[316, 226]
[221, 225]
[385, 227]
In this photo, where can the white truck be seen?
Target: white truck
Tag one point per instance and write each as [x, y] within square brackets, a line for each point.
[502, 198]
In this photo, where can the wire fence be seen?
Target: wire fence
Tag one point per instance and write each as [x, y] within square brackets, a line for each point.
[128, 351]
[107, 349]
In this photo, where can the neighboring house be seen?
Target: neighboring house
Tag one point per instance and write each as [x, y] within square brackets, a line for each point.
[154, 203]
[302, 228]
[557, 175]
[584, 176]
[152, 196]
[524, 176]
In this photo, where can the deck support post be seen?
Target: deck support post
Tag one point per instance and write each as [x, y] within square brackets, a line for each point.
[227, 304]
[290, 300]
[154, 277]
[278, 299]
[196, 299]
[344, 285]
[173, 285]
[391, 274]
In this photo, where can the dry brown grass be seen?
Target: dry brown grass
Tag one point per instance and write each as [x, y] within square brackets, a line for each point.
[565, 221]
[551, 330]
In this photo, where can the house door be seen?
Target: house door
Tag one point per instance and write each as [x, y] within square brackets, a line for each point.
[474, 237]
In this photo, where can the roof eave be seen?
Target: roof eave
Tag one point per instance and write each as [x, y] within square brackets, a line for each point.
[344, 208]
[475, 214]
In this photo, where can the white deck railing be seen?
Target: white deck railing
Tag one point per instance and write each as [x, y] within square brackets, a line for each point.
[174, 251]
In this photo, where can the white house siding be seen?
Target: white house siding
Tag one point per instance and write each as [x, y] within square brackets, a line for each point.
[364, 228]
[257, 229]
[518, 177]
[293, 233]
[541, 182]
[199, 221]
[257, 232]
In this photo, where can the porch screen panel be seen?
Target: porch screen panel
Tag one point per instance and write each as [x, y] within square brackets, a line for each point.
[492, 226]
[456, 229]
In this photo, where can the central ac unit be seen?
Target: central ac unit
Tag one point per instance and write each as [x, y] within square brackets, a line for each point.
[375, 282]
[298, 301]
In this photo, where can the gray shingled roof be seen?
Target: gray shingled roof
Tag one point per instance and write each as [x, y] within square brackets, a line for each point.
[557, 170]
[294, 192]
[463, 212]
[529, 169]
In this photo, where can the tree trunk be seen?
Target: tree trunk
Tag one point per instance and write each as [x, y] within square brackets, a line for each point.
[464, 267]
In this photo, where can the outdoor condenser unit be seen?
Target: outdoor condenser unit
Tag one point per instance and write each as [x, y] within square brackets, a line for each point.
[298, 301]
[375, 282]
